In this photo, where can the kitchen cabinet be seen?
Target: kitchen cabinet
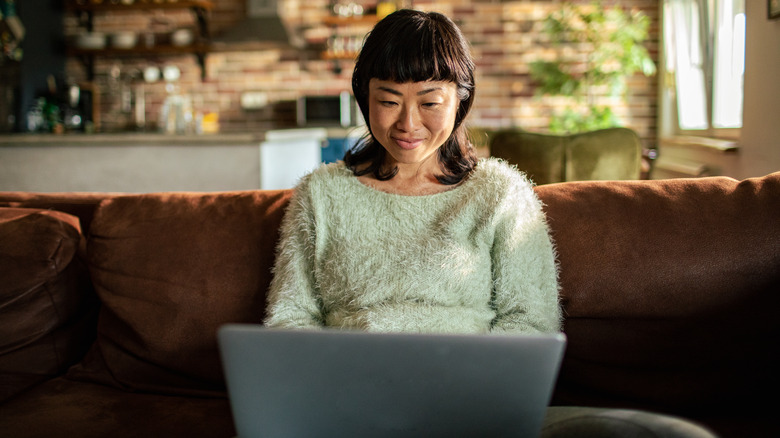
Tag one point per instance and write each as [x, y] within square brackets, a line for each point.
[144, 163]
[86, 11]
[133, 162]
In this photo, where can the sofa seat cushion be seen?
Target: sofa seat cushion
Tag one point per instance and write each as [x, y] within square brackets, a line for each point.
[45, 298]
[169, 270]
[64, 408]
[670, 292]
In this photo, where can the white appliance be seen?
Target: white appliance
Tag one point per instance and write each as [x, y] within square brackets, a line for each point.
[288, 154]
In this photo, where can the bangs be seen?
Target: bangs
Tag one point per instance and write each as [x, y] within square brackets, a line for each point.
[419, 52]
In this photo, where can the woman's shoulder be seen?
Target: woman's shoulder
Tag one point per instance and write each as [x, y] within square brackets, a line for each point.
[502, 186]
[331, 170]
[497, 173]
[325, 175]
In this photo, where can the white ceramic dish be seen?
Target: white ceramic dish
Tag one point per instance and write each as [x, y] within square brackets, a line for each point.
[171, 73]
[91, 41]
[182, 37]
[124, 40]
[151, 74]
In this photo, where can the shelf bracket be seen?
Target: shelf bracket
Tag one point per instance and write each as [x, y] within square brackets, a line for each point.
[86, 20]
[200, 14]
[89, 66]
[202, 63]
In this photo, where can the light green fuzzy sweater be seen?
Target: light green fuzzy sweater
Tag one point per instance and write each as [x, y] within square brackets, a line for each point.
[474, 259]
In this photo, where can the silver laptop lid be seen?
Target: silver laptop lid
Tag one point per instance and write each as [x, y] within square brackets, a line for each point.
[285, 383]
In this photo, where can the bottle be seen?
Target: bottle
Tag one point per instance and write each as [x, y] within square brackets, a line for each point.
[52, 114]
[35, 115]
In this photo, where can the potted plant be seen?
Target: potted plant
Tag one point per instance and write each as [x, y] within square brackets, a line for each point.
[597, 50]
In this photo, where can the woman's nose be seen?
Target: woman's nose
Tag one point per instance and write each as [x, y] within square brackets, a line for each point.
[408, 119]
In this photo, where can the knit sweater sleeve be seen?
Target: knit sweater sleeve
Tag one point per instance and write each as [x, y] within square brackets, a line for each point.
[525, 276]
[293, 298]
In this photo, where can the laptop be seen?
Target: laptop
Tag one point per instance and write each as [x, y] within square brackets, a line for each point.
[334, 383]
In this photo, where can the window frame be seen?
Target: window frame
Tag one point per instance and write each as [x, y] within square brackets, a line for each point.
[669, 122]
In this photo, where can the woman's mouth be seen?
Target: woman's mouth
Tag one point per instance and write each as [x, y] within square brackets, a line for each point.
[407, 143]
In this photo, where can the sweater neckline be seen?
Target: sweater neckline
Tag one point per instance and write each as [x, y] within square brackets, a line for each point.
[446, 193]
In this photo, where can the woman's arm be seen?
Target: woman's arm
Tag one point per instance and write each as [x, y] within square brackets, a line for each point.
[525, 274]
[293, 297]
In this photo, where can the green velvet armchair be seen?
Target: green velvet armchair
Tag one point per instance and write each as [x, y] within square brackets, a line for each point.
[606, 154]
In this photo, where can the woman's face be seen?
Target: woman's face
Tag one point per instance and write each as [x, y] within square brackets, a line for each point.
[411, 120]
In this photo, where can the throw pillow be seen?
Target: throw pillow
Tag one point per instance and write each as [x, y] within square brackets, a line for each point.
[170, 269]
[45, 298]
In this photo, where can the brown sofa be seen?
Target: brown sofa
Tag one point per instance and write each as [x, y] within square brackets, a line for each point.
[110, 303]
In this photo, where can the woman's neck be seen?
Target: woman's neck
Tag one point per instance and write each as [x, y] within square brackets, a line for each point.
[411, 179]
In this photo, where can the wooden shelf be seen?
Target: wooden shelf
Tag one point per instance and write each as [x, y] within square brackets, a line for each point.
[141, 51]
[329, 56]
[88, 56]
[73, 5]
[337, 24]
[86, 13]
[334, 20]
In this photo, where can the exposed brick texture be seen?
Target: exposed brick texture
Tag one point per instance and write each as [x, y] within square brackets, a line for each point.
[505, 35]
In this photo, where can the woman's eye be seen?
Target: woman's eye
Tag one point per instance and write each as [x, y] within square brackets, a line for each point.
[387, 102]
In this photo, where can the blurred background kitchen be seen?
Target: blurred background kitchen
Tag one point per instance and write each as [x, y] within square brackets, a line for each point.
[92, 84]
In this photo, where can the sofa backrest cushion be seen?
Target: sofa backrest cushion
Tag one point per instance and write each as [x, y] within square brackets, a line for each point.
[45, 299]
[670, 290]
[169, 270]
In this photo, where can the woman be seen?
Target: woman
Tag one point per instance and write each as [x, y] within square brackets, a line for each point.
[411, 233]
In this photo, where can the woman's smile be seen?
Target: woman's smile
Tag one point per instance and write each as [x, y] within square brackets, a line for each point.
[407, 143]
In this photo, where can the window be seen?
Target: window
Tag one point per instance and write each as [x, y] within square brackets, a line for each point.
[704, 61]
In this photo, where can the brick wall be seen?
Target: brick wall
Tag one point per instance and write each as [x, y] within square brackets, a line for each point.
[505, 35]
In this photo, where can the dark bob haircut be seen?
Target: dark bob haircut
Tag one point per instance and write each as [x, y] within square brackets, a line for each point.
[415, 46]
